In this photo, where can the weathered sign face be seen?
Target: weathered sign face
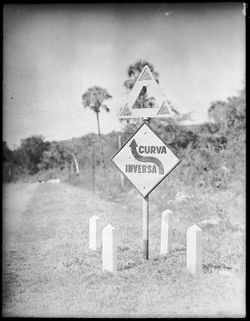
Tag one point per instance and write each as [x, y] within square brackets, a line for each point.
[145, 160]
[146, 99]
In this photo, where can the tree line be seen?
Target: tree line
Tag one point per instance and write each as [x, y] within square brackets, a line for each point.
[218, 143]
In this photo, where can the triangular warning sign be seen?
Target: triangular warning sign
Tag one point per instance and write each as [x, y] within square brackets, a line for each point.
[139, 101]
[164, 109]
[145, 75]
[146, 99]
[125, 111]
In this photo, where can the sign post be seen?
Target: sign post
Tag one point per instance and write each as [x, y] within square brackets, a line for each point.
[145, 227]
[145, 219]
[145, 159]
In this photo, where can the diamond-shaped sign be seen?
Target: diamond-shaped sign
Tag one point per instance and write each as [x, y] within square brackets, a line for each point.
[145, 160]
[146, 99]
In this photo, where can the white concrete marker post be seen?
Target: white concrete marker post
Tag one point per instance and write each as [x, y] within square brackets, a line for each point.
[194, 249]
[95, 239]
[166, 231]
[109, 249]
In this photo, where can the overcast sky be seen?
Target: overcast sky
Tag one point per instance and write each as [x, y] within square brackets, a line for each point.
[54, 53]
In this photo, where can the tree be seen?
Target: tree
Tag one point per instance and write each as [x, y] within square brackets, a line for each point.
[7, 153]
[93, 98]
[29, 154]
[230, 115]
[53, 157]
[7, 163]
[58, 155]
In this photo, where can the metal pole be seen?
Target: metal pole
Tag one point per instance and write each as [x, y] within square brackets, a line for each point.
[146, 120]
[120, 145]
[145, 227]
[93, 166]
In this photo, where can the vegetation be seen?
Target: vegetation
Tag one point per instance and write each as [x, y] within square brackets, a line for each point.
[93, 99]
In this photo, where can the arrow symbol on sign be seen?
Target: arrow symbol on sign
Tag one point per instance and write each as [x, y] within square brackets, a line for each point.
[141, 158]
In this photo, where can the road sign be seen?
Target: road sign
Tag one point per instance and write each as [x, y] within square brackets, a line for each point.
[145, 160]
[146, 99]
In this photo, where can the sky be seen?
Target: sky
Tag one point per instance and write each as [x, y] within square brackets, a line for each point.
[52, 54]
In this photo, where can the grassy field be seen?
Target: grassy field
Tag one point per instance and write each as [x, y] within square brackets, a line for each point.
[49, 271]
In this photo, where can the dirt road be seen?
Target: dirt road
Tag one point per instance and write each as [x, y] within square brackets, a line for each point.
[16, 198]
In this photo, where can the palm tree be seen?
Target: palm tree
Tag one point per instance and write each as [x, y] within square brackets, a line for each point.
[93, 98]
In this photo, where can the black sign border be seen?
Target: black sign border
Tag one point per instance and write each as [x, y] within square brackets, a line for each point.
[144, 123]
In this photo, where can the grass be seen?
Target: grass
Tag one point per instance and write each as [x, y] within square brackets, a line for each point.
[49, 270]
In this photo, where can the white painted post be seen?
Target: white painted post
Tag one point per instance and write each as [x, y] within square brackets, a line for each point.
[95, 240]
[77, 166]
[166, 231]
[109, 249]
[194, 249]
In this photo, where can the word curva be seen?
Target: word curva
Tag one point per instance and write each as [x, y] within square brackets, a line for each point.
[152, 149]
